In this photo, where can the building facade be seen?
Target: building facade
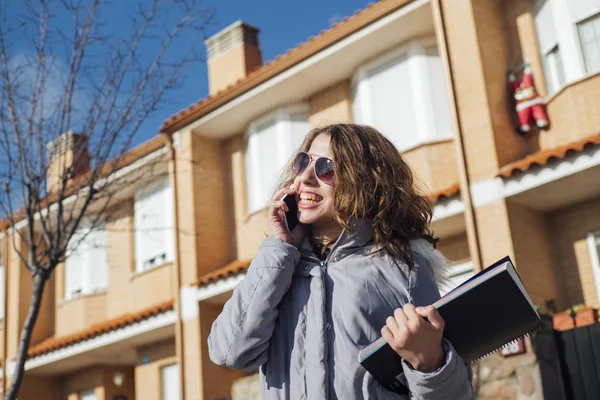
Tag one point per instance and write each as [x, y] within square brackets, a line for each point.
[130, 318]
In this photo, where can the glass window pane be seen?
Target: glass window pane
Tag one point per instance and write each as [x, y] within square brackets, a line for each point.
[87, 395]
[300, 127]
[392, 103]
[586, 32]
[170, 382]
[439, 94]
[553, 70]
[589, 36]
[262, 165]
[151, 230]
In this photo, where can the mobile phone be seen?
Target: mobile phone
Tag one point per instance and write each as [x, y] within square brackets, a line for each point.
[291, 216]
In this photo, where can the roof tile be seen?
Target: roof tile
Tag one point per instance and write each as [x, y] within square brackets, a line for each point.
[543, 157]
[56, 343]
[311, 46]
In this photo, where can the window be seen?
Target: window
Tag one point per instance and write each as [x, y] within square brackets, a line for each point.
[403, 94]
[86, 266]
[555, 75]
[271, 142]
[169, 376]
[153, 221]
[87, 395]
[589, 37]
[594, 247]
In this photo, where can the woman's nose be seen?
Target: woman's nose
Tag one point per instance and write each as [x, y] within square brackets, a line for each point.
[308, 175]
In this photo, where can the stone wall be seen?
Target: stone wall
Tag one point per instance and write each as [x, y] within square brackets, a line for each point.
[511, 378]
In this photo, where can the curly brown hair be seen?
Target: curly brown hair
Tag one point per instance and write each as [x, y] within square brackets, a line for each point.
[373, 182]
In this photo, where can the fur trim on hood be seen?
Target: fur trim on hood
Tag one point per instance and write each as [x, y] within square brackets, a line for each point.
[437, 262]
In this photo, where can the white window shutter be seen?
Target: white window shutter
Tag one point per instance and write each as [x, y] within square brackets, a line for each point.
[96, 273]
[170, 382]
[270, 166]
[392, 102]
[299, 127]
[74, 266]
[439, 94]
[152, 230]
[253, 194]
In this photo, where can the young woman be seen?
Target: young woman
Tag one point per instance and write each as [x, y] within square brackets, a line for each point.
[359, 265]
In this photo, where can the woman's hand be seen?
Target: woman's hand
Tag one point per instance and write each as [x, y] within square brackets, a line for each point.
[277, 226]
[416, 335]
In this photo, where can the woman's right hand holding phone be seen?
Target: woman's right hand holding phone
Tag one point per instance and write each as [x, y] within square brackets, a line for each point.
[276, 220]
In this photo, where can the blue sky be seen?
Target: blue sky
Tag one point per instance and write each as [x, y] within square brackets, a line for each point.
[282, 24]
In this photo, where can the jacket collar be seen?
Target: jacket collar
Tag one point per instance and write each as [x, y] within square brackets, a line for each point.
[357, 235]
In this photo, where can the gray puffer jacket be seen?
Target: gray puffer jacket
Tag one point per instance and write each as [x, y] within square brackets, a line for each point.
[303, 321]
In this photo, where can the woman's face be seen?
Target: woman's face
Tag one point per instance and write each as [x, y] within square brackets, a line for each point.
[314, 197]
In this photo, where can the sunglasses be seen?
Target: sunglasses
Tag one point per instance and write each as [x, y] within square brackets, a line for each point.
[323, 166]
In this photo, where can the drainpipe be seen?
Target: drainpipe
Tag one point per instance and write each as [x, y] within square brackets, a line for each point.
[179, 353]
[4, 324]
[465, 186]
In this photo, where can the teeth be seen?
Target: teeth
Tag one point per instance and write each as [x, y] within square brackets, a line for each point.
[309, 198]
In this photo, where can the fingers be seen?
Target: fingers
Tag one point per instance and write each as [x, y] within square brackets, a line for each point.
[432, 315]
[284, 191]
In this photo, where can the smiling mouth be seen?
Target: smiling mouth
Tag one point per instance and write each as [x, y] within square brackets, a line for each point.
[309, 199]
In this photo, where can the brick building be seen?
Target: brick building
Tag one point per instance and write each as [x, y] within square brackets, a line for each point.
[132, 319]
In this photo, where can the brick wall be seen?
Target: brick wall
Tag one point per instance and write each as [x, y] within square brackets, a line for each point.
[151, 359]
[568, 234]
[39, 387]
[494, 232]
[192, 358]
[331, 105]
[216, 380]
[478, 60]
[454, 248]
[80, 313]
[250, 229]
[87, 379]
[435, 165]
[533, 253]
[573, 113]
[121, 259]
[203, 234]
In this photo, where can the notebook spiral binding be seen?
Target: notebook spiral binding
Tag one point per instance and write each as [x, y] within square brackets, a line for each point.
[539, 327]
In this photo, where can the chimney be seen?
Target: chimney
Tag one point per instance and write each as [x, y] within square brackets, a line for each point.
[232, 54]
[69, 150]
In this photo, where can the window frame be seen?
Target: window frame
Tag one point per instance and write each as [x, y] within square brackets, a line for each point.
[282, 118]
[416, 50]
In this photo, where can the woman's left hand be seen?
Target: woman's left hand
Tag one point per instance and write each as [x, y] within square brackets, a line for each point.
[415, 333]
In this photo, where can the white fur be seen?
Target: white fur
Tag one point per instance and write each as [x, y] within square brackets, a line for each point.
[437, 262]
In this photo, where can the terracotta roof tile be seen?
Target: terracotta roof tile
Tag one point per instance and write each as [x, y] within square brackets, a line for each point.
[450, 191]
[542, 157]
[230, 269]
[56, 343]
[310, 47]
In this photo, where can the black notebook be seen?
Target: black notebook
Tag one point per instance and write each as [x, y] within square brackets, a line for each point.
[484, 313]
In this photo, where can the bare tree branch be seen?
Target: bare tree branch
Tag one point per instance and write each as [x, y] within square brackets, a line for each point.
[65, 73]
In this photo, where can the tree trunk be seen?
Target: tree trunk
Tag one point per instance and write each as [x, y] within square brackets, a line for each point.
[36, 300]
